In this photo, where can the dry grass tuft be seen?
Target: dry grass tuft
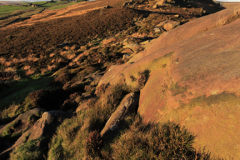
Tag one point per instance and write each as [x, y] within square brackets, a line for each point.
[142, 79]
[169, 141]
[11, 111]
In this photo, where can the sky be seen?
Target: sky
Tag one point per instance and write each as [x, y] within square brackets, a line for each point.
[49, 0]
[228, 0]
[26, 0]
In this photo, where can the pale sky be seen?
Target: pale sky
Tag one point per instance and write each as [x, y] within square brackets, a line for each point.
[25, 0]
[228, 0]
[49, 0]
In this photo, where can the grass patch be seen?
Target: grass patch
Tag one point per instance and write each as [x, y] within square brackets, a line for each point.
[10, 112]
[69, 141]
[138, 141]
[79, 136]
[18, 91]
[52, 4]
[8, 9]
[63, 5]
[38, 3]
[75, 137]
[168, 141]
[30, 13]
[176, 89]
[230, 98]
[29, 151]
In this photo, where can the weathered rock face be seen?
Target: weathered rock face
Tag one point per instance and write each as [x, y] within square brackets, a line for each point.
[82, 106]
[21, 123]
[194, 80]
[18, 126]
[170, 25]
[160, 2]
[46, 125]
[127, 106]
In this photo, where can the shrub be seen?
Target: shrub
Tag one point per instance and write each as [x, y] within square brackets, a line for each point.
[88, 70]
[68, 105]
[93, 144]
[142, 79]
[62, 78]
[48, 99]
[169, 141]
[10, 112]
[79, 137]
[101, 89]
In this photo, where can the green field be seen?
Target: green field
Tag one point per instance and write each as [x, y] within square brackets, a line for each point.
[7, 10]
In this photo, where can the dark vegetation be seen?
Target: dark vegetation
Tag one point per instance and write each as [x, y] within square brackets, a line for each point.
[79, 29]
[57, 65]
[133, 140]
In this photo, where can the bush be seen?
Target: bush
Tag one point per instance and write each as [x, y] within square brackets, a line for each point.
[48, 99]
[142, 79]
[93, 144]
[169, 141]
[9, 113]
[62, 78]
[79, 137]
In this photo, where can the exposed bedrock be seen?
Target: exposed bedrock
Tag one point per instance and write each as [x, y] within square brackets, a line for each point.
[194, 80]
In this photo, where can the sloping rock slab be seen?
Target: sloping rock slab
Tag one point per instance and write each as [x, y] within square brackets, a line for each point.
[46, 125]
[194, 80]
[22, 119]
[127, 105]
[19, 125]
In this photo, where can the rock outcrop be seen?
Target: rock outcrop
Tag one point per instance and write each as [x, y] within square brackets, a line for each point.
[43, 128]
[127, 106]
[21, 123]
[18, 126]
[194, 77]
[46, 125]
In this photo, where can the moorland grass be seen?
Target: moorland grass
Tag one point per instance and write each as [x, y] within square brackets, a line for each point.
[62, 5]
[7, 9]
[73, 137]
[28, 151]
[16, 93]
[79, 138]
[139, 141]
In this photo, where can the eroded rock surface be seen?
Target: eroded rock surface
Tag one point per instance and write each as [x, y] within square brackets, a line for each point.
[127, 106]
[194, 77]
[46, 125]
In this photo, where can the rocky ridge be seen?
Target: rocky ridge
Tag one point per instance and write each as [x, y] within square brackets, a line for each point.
[193, 80]
[152, 56]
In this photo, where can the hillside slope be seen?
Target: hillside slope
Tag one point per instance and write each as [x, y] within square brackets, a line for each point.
[72, 81]
[193, 80]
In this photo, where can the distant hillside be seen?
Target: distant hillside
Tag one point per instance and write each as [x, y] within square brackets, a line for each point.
[9, 2]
